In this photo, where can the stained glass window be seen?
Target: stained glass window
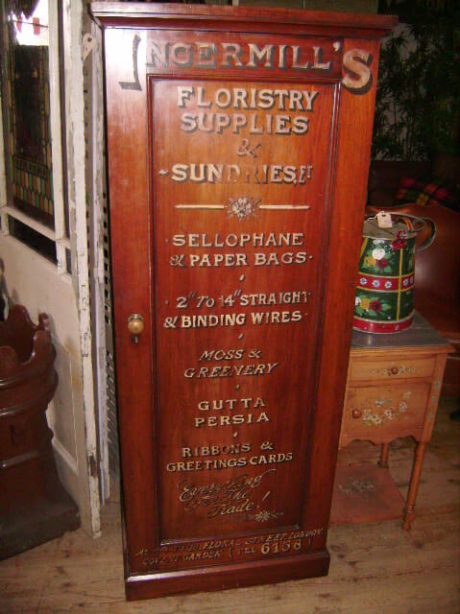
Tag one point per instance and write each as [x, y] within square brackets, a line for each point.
[27, 108]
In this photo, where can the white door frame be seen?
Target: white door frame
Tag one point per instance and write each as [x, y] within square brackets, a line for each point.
[73, 12]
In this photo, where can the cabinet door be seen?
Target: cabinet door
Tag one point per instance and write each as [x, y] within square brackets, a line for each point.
[230, 157]
[238, 255]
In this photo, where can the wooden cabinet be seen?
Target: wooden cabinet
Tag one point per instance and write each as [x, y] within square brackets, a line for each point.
[393, 388]
[238, 148]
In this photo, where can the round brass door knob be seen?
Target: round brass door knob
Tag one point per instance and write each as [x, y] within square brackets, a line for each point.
[356, 413]
[135, 324]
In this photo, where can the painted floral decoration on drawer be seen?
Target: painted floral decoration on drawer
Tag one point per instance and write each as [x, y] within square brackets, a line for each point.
[386, 410]
[394, 370]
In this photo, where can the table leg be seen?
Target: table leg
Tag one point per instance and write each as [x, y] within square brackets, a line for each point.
[409, 512]
[384, 451]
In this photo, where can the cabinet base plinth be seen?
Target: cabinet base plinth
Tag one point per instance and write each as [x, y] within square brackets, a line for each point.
[223, 577]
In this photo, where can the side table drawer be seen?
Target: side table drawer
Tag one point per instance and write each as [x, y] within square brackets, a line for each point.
[390, 369]
[382, 413]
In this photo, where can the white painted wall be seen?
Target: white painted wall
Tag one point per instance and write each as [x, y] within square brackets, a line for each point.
[34, 282]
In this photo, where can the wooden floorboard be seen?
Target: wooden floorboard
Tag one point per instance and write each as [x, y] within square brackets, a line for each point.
[374, 568]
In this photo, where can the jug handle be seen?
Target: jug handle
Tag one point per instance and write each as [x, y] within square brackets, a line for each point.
[429, 240]
[427, 222]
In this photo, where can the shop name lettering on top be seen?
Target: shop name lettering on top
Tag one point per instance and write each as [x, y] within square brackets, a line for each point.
[304, 58]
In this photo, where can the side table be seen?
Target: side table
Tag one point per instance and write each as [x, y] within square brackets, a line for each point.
[393, 388]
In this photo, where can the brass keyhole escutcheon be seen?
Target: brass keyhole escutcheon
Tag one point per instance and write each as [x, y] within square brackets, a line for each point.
[135, 326]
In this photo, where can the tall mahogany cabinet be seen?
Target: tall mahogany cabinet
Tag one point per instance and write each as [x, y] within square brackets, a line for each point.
[238, 148]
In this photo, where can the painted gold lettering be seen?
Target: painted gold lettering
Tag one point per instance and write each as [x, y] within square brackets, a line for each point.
[201, 101]
[232, 53]
[296, 59]
[188, 122]
[300, 125]
[257, 55]
[296, 100]
[254, 127]
[282, 55]
[282, 125]
[159, 55]
[184, 94]
[206, 53]
[223, 98]
[239, 122]
[179, 172]
[266, 99]
[356, 65]
[222, 121]
[205, 122]
[282, 95]
[181, 54]
[317, 63]
[310, 97]
[240, 98]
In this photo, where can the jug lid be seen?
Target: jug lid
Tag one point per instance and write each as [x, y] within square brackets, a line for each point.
[398, 229]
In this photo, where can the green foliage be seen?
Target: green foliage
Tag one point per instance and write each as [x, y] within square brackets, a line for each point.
[418, 96]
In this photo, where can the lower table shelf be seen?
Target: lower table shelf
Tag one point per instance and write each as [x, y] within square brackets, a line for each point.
[365, 493]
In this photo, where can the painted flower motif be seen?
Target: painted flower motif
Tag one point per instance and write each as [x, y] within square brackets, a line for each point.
[385, 412]
[388, 284]
[378, 253]
[370, 418]
[375, 306]
[382, 264]
[369, 261]
[376, 283]
[363, 281]
[357, 301]
[242, 207]
[405, 282]
[266, 515]
[399, 242]
[365, 304]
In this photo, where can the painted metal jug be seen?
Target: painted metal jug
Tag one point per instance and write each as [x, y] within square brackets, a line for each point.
[384, 295]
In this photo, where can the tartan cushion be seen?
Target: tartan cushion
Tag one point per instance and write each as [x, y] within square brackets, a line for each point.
[433, 192]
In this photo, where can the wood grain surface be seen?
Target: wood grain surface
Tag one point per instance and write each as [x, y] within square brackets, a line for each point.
[374, 567]
[238, 154]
